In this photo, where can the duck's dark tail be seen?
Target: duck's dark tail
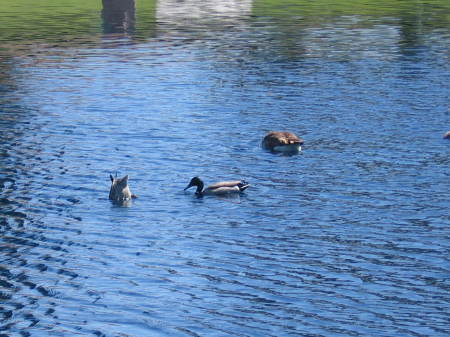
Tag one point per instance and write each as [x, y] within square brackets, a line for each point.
[243, 185]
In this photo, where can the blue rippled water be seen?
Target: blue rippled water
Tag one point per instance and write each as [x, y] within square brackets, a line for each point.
[348, 238]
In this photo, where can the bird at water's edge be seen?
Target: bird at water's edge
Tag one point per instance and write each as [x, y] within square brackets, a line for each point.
[219, 188]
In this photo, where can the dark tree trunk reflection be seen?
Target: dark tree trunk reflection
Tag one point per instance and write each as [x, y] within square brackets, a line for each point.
[118, 16]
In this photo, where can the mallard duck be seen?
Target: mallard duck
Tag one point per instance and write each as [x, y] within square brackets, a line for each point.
[219, 188]
[120, 191]
[282, 141]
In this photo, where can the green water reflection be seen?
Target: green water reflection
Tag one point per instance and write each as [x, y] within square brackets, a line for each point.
[72, 21]
[51, 21]
[435, 12]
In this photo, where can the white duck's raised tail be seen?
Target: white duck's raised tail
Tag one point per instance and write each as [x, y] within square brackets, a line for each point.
[120, 191]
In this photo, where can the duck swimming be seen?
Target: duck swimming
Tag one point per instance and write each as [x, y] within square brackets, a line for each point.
[219, 188]
[282, 141]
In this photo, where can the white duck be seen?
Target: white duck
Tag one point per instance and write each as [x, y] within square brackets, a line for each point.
[120, 191]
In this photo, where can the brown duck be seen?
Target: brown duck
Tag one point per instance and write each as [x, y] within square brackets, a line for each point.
[282, 141]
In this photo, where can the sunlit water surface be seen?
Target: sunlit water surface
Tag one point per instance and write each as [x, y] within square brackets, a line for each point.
[348, 238]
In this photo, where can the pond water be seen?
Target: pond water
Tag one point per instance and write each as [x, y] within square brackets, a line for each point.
[348, 238]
